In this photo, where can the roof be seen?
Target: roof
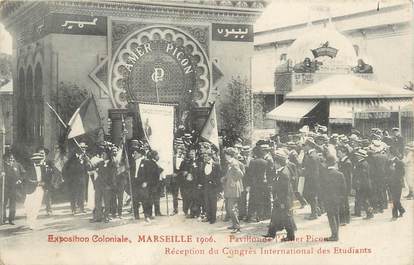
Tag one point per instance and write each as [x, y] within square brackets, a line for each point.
[7, 88]
[315, 37]
[280, 14]
[349, 86]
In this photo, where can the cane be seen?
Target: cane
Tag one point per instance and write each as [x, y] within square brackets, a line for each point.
[2, 175]
[166, 199]
[222, 210]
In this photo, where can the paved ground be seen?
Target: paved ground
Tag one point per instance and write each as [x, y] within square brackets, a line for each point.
[375, 241]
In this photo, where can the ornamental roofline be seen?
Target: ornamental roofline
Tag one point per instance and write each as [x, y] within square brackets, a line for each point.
[9, 10]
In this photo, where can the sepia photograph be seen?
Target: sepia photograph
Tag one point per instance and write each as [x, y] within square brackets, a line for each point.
[206, 132]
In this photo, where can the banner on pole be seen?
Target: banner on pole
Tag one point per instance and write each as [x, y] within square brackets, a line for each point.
[158, 126]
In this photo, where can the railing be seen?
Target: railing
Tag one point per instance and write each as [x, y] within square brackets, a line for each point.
[290, 81]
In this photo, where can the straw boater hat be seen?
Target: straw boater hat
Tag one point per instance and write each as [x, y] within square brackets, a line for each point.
[280, 156]
[231, 151]
[304, 129]
[361, 153]
[83, 145]
[37, 156]
[246, 148]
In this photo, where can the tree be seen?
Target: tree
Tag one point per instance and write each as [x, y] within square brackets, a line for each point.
[5, 67]
[236, 113]
[66, 100]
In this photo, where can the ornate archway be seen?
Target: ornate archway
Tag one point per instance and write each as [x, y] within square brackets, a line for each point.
[160, 64]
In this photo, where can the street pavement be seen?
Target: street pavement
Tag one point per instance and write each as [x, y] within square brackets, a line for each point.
[376, 241]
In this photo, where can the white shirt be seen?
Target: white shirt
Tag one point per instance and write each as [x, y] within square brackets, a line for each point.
[38, 171]
[137, 165]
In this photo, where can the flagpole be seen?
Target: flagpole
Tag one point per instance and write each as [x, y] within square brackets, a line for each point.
[62, 122]
[127, 161]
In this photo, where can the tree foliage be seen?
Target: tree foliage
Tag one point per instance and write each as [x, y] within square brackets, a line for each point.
[236, 113]
[67, 99]
[5, 67]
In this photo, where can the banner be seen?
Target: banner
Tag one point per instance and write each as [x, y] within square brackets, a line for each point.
[158, 126]
[209, 131]
[85, 119]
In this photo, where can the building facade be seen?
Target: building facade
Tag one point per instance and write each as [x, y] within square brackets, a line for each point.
[175, 52]
[370, 32]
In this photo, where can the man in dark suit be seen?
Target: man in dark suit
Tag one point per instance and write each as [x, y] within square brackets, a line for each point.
[282, 213]
[334, 191]
[75, 174]
[187, 177]
[346, 168]
[257, 185]
[104, 183]
[210, 174]
[140, 180]
[397, 142]
[155, 184]
[311, 171]
[396, 172]
[377, 161]
[362, 184]
[14, 175]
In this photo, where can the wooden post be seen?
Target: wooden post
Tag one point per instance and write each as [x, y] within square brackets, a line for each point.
[399, 118]
[2, 177]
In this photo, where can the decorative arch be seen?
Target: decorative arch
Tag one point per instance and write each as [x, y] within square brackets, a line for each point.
[128, 61]
[38, 103]
[21, 109]
[30, 103]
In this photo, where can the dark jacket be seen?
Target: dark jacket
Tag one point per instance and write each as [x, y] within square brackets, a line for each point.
[283, 188]
[106, 175]
[256, 173]
[361, 174]
[30, 182]
[346, 167]
[13, 173]
[210, 182]
[377, 164]
[75, 170]
[311, 168]
[188, 167]
[334, 187]
[396, 172]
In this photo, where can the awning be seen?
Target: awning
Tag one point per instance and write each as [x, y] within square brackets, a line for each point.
[292, 110]
[341, 111]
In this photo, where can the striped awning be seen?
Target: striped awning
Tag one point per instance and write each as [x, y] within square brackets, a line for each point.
[292, 110]
[341, 111]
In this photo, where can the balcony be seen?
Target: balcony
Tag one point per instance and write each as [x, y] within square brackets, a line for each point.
[286, 82]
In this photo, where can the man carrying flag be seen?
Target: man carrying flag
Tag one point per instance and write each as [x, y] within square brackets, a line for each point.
[209, 132]
[85, 119]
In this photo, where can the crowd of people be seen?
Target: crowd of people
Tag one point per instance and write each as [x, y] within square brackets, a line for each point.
[256, 182]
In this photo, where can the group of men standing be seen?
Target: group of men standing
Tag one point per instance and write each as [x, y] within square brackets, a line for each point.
[257, 183]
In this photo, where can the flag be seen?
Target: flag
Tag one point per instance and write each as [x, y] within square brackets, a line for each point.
[209, 132]
[85, 119]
